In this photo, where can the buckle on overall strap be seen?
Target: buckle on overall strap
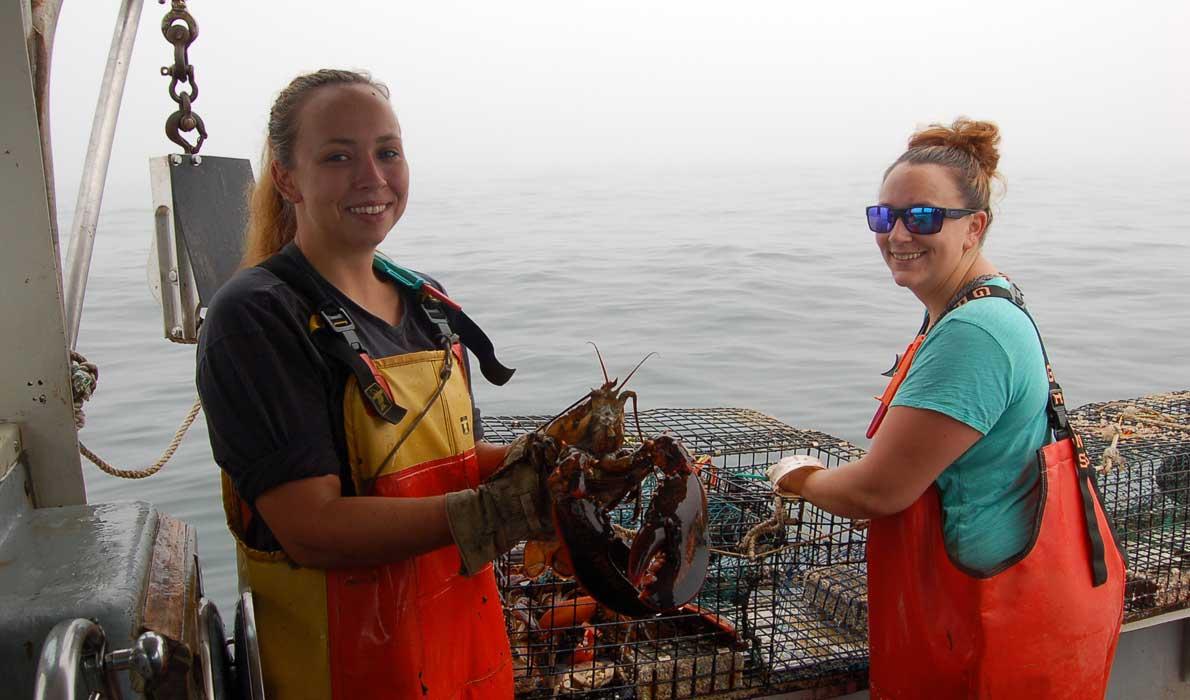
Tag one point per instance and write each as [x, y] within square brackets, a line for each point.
[351, 352]
[455, 324]
[436, 312]
[338, 321]
[1059, 419]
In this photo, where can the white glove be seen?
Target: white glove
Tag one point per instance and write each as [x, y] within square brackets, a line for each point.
[784, 467]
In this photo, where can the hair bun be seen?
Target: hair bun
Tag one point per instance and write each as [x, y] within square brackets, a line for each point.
[979, 138]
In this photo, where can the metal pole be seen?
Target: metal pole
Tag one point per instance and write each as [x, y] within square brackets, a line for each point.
[39, 37]
[99, 151]
[35, 371]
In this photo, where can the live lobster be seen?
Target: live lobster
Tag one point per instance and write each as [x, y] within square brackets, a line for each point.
[589, 472]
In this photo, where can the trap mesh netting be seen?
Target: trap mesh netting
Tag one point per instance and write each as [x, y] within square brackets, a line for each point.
[784, 605]
[1140, 449]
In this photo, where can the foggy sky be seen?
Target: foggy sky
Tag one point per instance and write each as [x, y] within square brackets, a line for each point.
[490, 90]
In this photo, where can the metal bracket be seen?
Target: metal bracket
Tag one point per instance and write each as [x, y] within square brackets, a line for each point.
[179, 292]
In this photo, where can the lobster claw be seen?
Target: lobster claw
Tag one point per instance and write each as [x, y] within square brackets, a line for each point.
[668, 560]
[585, 527]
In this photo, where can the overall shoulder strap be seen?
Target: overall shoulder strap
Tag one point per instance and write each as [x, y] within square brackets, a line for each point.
[334, 334]
[1059, 423]
[448, 317]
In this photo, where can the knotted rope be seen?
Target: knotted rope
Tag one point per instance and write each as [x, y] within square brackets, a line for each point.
[776, 524]
[1111, 454]
[84, 377]
[1148, 416]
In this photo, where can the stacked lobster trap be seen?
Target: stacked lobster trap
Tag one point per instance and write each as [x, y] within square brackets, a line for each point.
[1140, 449]
[784, 604]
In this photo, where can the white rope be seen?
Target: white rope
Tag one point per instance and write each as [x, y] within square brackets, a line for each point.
[155, 466]
[84, 377]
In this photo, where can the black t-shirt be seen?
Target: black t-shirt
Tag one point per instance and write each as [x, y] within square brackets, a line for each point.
[273, 402]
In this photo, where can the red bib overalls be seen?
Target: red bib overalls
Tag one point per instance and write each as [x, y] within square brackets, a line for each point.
[1044, 627]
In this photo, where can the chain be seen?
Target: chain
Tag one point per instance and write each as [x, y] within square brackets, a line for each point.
[180, 29]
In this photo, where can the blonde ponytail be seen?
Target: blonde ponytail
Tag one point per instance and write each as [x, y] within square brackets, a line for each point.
[271, 220]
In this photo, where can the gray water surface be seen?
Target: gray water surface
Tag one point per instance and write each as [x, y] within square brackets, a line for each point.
[758, 287]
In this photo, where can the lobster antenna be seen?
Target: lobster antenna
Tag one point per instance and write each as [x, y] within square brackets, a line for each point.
[601, 365]
[636, 416]
[638, 364]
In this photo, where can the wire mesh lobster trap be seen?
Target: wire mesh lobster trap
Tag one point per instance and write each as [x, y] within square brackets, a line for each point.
[1140, 449]
[784, 605]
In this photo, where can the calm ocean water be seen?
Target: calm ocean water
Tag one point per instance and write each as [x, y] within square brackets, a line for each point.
[758, 287]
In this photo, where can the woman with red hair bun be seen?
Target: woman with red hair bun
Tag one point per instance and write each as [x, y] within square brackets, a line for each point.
[992, 571]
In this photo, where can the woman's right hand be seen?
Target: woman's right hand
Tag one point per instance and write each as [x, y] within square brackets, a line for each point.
[511, 507]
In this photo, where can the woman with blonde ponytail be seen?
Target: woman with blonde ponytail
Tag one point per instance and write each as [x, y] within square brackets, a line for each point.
[270, 219]
[992, 570]
[355, 478]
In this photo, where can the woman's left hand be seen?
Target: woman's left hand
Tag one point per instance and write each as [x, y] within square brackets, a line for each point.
[912, 448]
[788, 475]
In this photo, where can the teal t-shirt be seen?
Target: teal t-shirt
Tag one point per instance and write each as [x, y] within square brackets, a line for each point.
[982, 365]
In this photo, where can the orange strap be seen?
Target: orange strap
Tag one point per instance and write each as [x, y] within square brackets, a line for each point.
[890, 391]
[460, 360]
[380, 380]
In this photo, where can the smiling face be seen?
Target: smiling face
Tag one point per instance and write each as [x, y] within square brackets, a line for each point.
[928, 265]
[349, 180]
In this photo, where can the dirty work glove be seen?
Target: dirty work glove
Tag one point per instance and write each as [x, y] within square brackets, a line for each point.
[488, 521]
[796, 468]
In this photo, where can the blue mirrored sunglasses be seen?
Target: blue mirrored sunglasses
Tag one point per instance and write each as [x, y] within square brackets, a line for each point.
[923, 220]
